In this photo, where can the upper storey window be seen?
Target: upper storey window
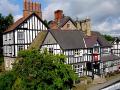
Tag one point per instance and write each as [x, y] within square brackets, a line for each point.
[20, 36]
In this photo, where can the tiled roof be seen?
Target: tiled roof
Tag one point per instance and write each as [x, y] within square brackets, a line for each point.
[20, 21]
[69, 39]
[90, 41]
[12, 27]
[109, 57]
[102, 41]
[64, 20]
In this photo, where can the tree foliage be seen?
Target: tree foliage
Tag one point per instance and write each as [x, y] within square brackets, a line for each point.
[108, 37]
[7, 80]
[42, 71]
[5, 22]
[46, 23]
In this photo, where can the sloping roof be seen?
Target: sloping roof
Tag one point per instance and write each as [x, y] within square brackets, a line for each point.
[111, 57]
[90, 41]
[69, 39]
[20, 21]
[12, 27]
[37, 42]
[64, 20]
[102, 41]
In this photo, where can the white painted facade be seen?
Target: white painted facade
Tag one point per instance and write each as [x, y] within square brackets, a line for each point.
[21, 37]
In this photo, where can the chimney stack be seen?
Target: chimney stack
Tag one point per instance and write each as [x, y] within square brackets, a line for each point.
[26, 8]
[58, 15]
[32, 7]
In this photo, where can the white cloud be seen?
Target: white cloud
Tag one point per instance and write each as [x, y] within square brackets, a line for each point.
[7, 7]
[98, 10]
[16, 17]
[109, 26]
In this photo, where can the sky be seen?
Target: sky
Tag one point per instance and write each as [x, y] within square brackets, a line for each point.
[104, 14]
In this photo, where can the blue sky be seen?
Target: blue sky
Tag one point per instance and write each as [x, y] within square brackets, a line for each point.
[104, 14]
[44, 3]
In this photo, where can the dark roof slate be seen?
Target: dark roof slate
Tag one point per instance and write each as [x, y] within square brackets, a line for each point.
[110, 57]
[98, 37]
[64, 20]
[69, 39]
[90, 41]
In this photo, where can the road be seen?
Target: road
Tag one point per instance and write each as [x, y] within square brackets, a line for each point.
[107, 83]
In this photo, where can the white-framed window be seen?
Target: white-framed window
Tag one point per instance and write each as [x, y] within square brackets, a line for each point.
[78, 53]
[51, 50]
[78, 68]
[20, 47]
[20, 35]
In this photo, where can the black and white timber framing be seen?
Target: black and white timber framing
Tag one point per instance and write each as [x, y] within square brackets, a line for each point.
[116, 46]
[20, 37]
[82, 58]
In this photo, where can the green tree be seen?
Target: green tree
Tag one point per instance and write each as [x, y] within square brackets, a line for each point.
[5, 22]
[108, 37]
[8, 20]
[42, 71]
[46, 23]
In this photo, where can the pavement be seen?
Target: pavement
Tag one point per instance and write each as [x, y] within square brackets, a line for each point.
[102, 85]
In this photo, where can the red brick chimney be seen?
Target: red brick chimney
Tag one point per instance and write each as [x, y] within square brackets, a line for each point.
[58, 15]
[26, 8]
[30, 7]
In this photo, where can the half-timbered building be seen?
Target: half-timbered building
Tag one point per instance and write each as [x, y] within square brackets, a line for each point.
[87, 55]
[21, 34]
[116, 46]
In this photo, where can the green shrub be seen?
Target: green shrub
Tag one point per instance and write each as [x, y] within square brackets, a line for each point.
[6, 80]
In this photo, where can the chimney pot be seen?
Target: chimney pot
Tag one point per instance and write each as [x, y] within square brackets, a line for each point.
[30, 7]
